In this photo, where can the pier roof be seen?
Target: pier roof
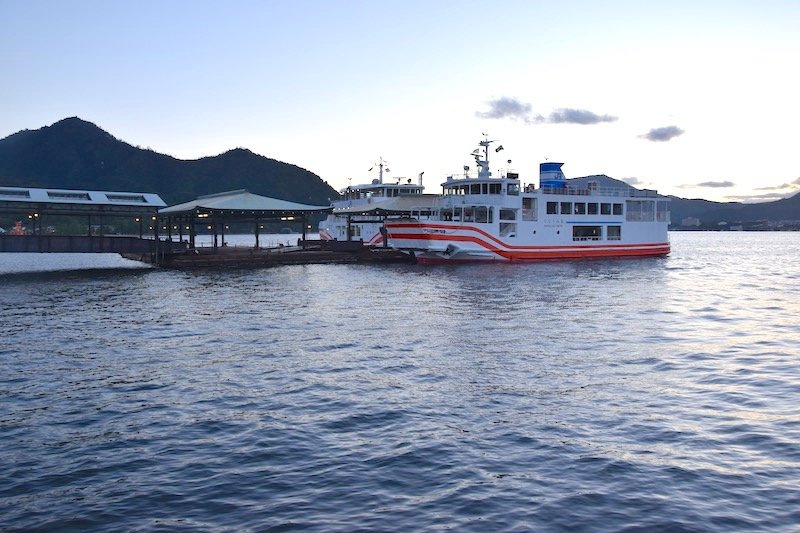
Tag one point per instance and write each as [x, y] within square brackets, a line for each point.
[241, 201]
[70, 201]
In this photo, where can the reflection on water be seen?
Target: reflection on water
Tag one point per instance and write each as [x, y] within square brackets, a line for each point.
[34, 262]
[655, 394]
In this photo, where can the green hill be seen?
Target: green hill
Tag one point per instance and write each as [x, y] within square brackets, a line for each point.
[710, 213]
[75, 154]
[787, 209]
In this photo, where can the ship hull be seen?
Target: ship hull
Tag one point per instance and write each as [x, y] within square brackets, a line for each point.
[432, 243]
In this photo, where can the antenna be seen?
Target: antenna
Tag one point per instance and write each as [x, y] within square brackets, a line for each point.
[381, 169]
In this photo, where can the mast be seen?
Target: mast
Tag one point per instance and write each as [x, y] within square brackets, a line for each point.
[380, 170]
[483, 164]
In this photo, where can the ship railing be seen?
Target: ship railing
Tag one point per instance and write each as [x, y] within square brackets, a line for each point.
[602, 191]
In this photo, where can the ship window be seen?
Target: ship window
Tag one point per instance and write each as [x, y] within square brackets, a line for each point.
[552, 208]
[614, 233]
[662, 211]
[580, 208]
[586, 233]
[513, 189]
[528, 209]
[481, 214]
[640, 210]
[591, 208]
[508, 214]
[566, 208]
[494, 188]
[469, 214]
[457, 214]
[605, 209]
[508, 229]
[617, 209]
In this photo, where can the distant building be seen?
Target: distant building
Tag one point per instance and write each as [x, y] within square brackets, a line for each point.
[690, 222]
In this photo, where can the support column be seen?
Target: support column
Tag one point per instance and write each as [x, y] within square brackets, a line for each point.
[258, 245]
[214, 229]
[157, 247]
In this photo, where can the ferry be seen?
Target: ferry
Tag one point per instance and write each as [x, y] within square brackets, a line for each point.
[488, 218]
[360, 211]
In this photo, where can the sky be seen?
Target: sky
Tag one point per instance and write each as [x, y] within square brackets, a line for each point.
[698, 99]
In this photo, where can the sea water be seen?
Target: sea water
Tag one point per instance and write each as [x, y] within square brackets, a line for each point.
[643, 394]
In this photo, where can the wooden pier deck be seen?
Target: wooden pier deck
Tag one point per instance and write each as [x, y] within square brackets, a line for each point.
[234, 257]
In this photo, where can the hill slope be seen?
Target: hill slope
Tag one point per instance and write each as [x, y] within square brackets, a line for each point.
[75, 154]
[712, 212]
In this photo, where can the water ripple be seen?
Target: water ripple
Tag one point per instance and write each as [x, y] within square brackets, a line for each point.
[603, 395]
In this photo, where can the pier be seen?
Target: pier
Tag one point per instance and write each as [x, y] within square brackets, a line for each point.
[307, 252]
[211, 214]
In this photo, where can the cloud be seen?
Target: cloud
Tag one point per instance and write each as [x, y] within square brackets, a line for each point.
[663, 134]
[793, 186]
[577, 116]
[707, 184]
[754, 198]
[509, 107]
[633, 181]
[639, 183]
[716, 184]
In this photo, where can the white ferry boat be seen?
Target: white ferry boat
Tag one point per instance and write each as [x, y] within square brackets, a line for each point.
[487, 218]
[360, 212]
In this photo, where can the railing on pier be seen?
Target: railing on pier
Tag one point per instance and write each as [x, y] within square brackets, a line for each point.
[87, 244]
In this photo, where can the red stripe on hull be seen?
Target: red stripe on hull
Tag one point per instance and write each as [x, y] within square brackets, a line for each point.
[531, 253]
[552, 256]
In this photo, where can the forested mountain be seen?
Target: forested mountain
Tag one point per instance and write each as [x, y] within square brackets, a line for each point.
[75, 154]
[710, 213]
